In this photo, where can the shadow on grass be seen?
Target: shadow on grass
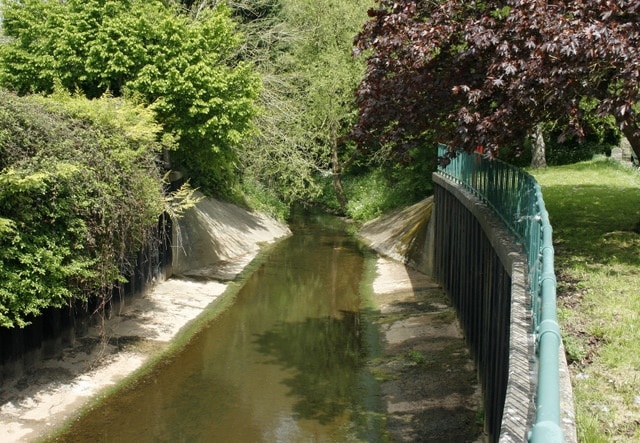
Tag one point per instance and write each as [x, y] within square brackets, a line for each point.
[595, 223]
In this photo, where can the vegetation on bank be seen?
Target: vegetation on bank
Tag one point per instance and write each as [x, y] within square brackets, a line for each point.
[183, 66]
[127, 90]
[254, 100]
[257, 95]
[299, 151]
[594, 208]
[80, 193]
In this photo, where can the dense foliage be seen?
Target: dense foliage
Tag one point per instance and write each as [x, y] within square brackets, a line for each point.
[303, 51]
[302, 48]
[80, 192]
[183, 65]
[471, 73]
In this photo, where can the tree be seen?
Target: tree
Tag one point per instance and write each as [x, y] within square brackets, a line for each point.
[181, 65]
[472, 73]
[303, 50]
[538, 148]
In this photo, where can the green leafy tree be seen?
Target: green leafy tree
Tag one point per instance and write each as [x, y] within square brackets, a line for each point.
[182, 65]
[303, 50]
[333, 75]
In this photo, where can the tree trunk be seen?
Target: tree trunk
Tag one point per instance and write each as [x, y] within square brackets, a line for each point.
[337, 177]
[538, 148]
[633, 135]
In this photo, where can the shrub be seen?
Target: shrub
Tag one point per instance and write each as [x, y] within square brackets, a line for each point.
[184, 66]
[80, 191]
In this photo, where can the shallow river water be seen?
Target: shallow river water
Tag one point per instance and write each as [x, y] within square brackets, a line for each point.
[285, 362]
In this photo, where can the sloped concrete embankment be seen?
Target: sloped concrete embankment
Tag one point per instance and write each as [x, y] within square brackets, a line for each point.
[217, 239]
[212, 244]
[407, 238]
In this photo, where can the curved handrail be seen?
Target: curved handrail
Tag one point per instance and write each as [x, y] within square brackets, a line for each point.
[516, 198]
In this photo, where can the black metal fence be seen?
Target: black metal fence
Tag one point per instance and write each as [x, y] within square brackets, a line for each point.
[56, 328]
[472, 273]
[515, 198]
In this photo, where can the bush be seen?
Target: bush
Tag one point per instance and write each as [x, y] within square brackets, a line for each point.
[258, 197]
[565, 152]
[183, 66]
[80, 191]
[373, 193]
[572, 151]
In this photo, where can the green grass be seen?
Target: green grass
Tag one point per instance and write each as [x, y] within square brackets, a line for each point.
[372, 194]
[594, 209]
[416, 357]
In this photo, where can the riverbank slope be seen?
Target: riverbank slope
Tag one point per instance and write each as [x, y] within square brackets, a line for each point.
[428, 378]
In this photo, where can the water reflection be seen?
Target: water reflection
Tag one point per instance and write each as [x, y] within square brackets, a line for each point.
[325, 385]
[285, 363]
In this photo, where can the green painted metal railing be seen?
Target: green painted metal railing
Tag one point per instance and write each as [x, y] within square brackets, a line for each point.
[515, 197]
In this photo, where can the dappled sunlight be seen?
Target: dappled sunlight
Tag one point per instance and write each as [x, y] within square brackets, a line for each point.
[607, 215]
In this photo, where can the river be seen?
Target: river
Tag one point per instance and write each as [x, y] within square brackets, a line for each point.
[287, 361]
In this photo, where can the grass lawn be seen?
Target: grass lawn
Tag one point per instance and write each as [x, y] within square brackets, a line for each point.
[595, 213]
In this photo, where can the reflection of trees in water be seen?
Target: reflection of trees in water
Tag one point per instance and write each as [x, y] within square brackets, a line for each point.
[327, 355]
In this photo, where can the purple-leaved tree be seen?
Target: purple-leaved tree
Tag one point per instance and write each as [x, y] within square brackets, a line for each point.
[485, 73]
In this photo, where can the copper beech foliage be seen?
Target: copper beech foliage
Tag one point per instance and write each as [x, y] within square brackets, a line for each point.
[484, 73]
